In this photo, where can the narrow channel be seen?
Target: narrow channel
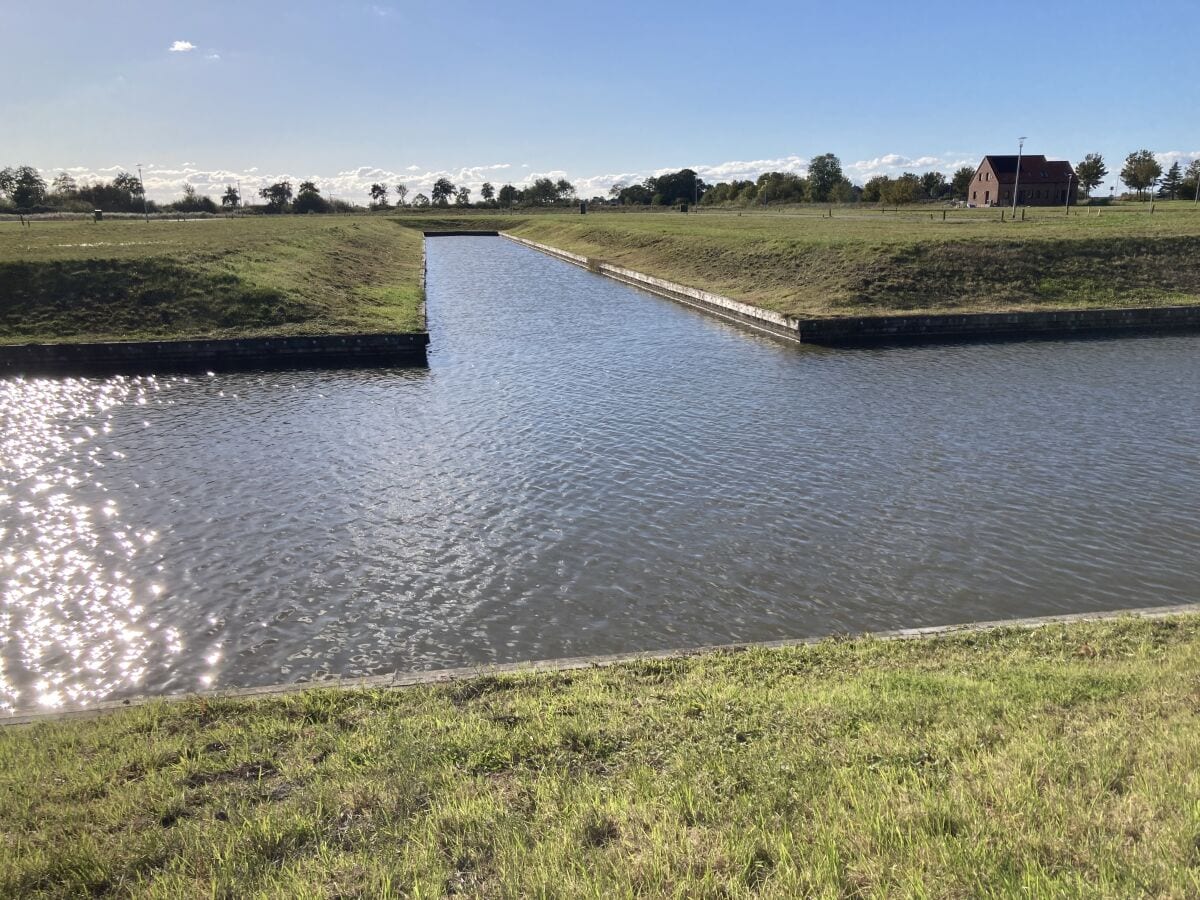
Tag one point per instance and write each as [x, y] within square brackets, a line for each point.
[583, 469]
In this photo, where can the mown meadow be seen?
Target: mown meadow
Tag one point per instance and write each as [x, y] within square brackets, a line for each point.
[127, 279]
[1057, 762]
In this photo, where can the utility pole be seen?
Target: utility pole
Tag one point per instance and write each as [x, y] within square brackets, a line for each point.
[1070, 185]
[145, 209]
[240, 203]
[1017, 182]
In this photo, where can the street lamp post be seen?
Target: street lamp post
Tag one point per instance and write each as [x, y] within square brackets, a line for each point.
[1017, 182]
[142, 184]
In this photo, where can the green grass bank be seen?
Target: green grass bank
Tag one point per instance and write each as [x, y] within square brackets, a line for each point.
[1061, 761]
[859, 261]
[263, 276]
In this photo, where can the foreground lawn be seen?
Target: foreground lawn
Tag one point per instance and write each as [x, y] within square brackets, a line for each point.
[866, 262]
[257, 276]
[1058, 762]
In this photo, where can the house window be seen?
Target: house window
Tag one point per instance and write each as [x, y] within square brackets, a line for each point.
[987, 196]
[974, 194]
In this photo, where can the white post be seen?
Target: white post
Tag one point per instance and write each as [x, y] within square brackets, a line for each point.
[1017, 182]
[145, 210]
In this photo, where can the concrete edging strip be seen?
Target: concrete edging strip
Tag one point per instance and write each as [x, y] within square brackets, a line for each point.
[773, 323]
[444, 676]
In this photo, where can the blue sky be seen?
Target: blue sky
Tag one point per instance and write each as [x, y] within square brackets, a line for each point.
[352, 92]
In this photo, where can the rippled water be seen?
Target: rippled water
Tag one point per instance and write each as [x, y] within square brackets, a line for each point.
[582, 469]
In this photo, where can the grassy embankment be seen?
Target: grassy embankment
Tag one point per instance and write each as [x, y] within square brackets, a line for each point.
[216, 278]
[864, 262]
[1057, 762]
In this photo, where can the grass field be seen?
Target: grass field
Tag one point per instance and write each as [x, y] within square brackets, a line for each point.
[285, 275]
[1058, 762]
[291, 275]
[862, 261]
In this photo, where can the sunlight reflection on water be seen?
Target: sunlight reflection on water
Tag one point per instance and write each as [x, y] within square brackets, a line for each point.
[582, 469]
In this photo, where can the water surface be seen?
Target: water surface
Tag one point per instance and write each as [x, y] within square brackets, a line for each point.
[582, 469]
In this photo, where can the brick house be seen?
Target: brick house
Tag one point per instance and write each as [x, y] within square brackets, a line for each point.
[1044, 182]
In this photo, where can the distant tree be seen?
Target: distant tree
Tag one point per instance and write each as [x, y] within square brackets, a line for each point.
[1090, 172]
[543, 192]
[379, 193]
[905, 189]
[507, 196]
[26, 187]
[564, 189]
[277, 195]
[729, 192]
[230, 199]
[1172, 182]
[64, 185]
[128, 183]
[443, 190]
[463, 196]
[420, 200]
[8, 180]
[1191, 181]
[780, 187]
[487, 192]
[614, 192]
[192, 201]
[684, 186]
[874, 188]
[719, 193]
[634, 195]
[823, 173]
[309, 199]
[1141, 170]
[934, 185]
[401, 193]
[960, 184]
[844, 192]
[747, 192]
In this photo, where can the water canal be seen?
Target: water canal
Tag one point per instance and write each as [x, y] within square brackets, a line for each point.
[582, 469]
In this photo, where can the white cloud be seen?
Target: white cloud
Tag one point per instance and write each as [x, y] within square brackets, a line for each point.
[1183, 157]
[182, 47]
[412, 169]
[893, 164]
[212, 56]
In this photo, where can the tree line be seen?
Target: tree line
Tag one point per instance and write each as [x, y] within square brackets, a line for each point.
[23, 188]
[444, 193]
[826, 183]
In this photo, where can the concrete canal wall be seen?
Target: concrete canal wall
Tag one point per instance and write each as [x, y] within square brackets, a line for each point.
[442, 676]
[871, 330]
[722, 307]
[130, 357]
